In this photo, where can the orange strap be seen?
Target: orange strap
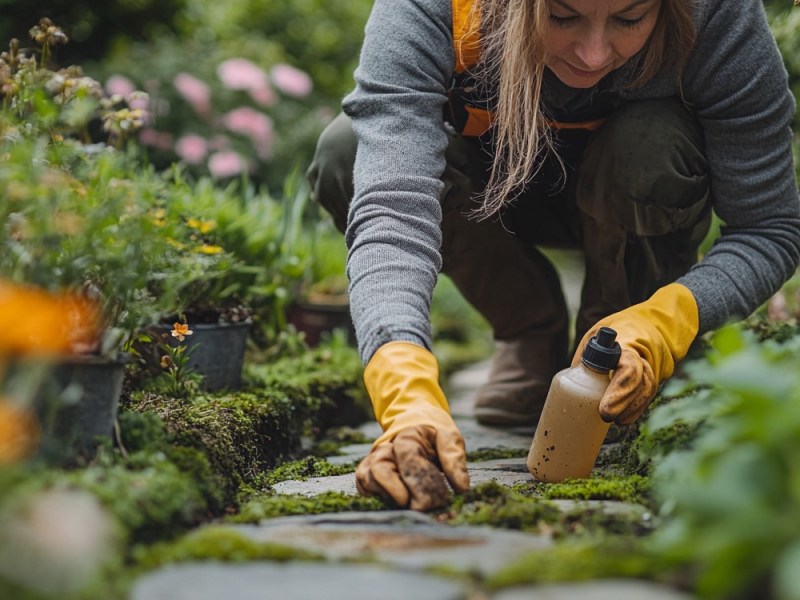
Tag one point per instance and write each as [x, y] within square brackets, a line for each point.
[466, 34]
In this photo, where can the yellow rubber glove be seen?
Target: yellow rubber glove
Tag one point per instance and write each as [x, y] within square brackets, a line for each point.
[420, 445]
[653, 335]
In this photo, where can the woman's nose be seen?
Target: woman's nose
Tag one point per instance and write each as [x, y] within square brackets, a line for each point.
[594, 50]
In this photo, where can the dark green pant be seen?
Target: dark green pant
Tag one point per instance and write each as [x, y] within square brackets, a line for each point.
[635, 201]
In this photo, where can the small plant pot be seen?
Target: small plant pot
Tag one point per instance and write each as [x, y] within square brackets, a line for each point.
[317, 318]
[78, 405]
[216, 351]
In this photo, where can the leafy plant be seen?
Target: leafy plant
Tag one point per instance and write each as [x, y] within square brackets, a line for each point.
[730, 495]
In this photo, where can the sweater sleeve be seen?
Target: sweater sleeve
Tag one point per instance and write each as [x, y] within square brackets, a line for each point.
[394, 223]
[737, 85]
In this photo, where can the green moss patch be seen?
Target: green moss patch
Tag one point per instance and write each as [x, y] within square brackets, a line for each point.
[582, 561]
[217, 543]
[496, 505]
[634, 488]
[484, 454]
[525, 508]
[300, 470]
[269, 507]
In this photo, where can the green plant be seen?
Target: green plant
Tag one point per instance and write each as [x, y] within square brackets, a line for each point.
[175, 358]
[70, 207]
[729, 494]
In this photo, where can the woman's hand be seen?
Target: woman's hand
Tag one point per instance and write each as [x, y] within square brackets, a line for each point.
[421, 449]
[654, 335]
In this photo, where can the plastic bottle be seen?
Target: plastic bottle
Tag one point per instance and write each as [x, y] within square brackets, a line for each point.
[570, 431]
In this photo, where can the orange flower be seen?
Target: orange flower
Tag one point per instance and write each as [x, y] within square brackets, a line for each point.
[19, 433]
[181, 330]
[35, 322]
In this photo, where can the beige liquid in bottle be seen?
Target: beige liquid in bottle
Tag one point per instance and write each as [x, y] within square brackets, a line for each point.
[570, 431]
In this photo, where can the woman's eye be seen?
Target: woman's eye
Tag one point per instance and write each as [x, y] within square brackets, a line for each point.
[630, 23]
[562, 21]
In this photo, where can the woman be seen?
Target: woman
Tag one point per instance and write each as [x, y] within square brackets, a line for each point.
[481, 131]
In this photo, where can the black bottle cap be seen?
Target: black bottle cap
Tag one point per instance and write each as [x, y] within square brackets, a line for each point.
[602, 351]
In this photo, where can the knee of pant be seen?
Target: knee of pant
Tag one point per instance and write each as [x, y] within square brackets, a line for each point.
[646, 169]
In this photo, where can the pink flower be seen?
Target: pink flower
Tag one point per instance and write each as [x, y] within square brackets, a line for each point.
[119, 85]
[191, 148]
[263, 96]
[226, 163]
[291, 81]
[195, 91]
[241, 74]
[255, 125]
[249, 122]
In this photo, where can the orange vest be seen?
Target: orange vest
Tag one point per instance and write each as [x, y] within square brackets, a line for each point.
[467, 107]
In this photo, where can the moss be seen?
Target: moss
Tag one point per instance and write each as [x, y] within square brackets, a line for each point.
[241, 434]
[216, 543]
[337, 437]
[150, 496]
[332, 378]
[767, 329]
[494, 504]
[634, 488]
[269, 507]
[484, 454]
[142, 431]
[196, 465]
[580, 561]
[303, 469]
[524, 508]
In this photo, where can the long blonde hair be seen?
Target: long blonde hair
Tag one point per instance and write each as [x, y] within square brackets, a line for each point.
[513, 57]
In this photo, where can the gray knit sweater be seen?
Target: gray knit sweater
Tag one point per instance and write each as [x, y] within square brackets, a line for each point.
[735, 83]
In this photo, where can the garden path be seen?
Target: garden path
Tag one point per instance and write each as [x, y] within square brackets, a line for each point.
[398, 554]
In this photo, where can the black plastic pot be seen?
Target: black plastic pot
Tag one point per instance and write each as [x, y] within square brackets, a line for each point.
[78, 405]
[216, 351]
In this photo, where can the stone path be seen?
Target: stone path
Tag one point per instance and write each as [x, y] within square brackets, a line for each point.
[392, 555]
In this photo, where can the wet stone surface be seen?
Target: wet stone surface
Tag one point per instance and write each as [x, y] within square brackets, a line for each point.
[400, 538]
[292, 581]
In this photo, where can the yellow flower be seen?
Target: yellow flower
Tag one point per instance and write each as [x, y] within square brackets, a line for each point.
[159, 217]
[166, 361]
[181, 330]
[19, 432]
[209, 249]
[201, 225]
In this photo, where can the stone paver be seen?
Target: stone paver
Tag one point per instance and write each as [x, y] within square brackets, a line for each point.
[400, 538]
[292, 581]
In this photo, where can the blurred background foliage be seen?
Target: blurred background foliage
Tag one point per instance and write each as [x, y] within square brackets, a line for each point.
[151, 42]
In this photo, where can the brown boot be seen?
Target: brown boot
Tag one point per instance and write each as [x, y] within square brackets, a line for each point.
[519, 379]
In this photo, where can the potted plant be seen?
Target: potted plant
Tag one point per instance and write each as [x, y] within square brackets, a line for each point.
[321, 303]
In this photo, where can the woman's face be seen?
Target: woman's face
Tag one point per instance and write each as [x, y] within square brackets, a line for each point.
[587, 39]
